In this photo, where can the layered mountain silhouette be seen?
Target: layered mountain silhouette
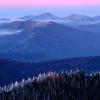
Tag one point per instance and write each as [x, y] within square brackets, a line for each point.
[90, 27]
[11, 71]
[50, 16]
[46, 40]
[36, 44]
[44, 16]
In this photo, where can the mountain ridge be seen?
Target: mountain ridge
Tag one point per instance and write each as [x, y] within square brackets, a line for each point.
[17, 70]
[44, 38]
[73, 17]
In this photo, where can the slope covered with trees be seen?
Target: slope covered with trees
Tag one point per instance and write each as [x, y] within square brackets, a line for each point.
[11, 71]
[55, 86]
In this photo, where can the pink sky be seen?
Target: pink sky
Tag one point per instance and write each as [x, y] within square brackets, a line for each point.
[39, 3]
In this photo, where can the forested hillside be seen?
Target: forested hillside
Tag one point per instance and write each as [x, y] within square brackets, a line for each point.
[55, 86]
[11, 71]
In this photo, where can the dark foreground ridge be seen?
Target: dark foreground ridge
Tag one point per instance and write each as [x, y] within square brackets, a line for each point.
[18, 70]
[74, 85]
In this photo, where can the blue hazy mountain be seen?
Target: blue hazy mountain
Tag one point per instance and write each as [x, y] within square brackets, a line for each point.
[90, 27]
[44, 16]
[73, 20]
[17, 25]
[46, 40]
[76, 17]
[71, 17]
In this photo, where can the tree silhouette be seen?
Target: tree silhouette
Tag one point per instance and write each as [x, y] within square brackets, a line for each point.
[73, 85]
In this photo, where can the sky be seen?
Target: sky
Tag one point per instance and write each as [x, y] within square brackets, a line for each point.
[16, 8]
[40, 3]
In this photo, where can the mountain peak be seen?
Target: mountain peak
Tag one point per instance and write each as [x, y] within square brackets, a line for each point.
[46, 14]
[43, 16]
[78, 17]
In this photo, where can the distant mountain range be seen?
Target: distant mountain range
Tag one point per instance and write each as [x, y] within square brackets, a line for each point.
[49, 16]
[46, 40]
[43, 16]
[71, 20]
[91, 27]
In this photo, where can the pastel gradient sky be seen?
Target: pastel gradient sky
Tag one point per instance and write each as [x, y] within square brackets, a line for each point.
[58, 7]
[39, 3]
